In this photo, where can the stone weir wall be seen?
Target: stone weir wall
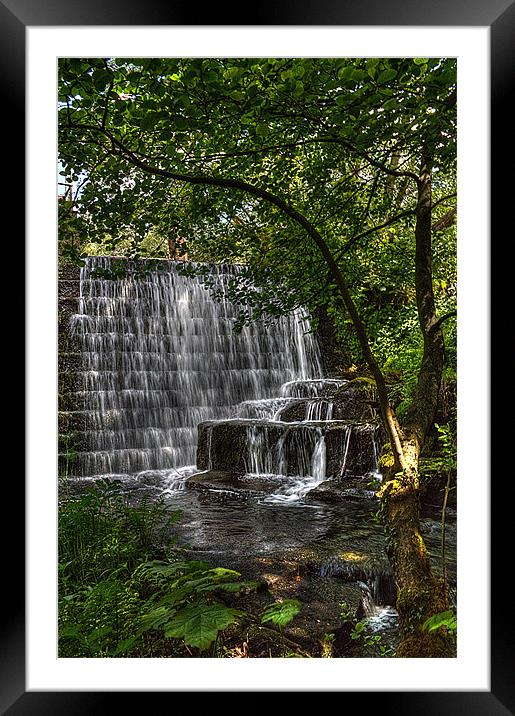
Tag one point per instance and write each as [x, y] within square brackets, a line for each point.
[142, 362]
[70, 417]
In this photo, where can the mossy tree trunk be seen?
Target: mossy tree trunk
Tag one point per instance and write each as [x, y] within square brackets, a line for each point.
[420, 593]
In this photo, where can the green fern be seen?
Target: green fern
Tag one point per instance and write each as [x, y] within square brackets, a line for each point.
[198, 624]
[281, 613]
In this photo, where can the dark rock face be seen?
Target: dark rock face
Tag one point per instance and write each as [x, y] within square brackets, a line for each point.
[219, 480]
[350, 448]
[334, 357]
[355, 454]
[222, 446]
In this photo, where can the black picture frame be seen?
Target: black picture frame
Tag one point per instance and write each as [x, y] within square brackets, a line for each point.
[499, 16]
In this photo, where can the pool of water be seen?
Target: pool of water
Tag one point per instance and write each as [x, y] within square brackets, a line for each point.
[279, 520]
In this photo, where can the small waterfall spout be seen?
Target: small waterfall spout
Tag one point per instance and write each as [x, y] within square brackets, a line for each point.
[378, 616]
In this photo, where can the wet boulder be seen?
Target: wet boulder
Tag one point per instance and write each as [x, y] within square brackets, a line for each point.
[229, 481]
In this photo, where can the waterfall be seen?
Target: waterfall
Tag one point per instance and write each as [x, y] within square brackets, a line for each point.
[378, 616]
[160, 356]
[318, 460]
[276, 448]
[319, 410]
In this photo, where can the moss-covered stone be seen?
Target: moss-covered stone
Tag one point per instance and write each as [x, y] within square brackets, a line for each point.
[66, 308]
[68, 272]
[70, 382]
[69, 401]
[69, 361]
[71, 421]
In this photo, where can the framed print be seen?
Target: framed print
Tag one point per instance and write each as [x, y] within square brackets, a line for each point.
[478, 680]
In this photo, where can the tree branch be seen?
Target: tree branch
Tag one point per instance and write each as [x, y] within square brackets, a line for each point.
[443, 318]
[446, 220]
[354, 239]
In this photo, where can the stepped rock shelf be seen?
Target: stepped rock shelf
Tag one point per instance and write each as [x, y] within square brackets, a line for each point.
[293, 436]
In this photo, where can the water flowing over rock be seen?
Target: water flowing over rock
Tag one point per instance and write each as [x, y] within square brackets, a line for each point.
[159, 356]
[327, 449]
[295, 439]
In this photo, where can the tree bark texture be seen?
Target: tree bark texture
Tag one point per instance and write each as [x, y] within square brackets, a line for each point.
[420, 594]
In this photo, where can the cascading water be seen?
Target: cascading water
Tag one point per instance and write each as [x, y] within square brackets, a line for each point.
[290, 450]
[378, 617]
[160, 356]
[295, 439]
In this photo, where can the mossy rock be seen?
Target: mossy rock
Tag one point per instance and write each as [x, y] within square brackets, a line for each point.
[68, 271]
[68, 289]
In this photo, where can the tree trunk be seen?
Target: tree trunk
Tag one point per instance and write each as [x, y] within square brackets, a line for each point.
[420, 594]
[172, 247]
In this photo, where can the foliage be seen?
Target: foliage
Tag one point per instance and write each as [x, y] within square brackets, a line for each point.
[447, 438]
[445, 619]
[113, 601]
[443, 458]
[332, 179]
[281, 613]
[359, 633]
[183, 606]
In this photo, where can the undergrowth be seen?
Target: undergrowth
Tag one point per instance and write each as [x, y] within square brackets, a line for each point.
[125, 587]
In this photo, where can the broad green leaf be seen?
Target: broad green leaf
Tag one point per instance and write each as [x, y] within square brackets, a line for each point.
[262, 130]
[387, 75]
[443, 619]
[199, 624]
[124, 646]
[172, 568]
[281, 613]
[229, 586]
[345, 72]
